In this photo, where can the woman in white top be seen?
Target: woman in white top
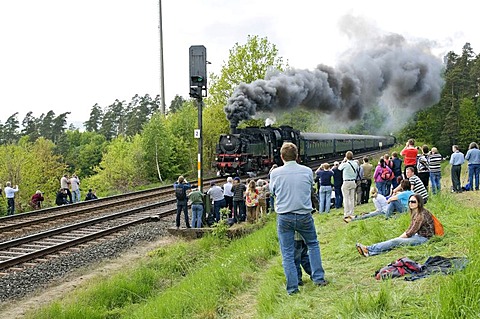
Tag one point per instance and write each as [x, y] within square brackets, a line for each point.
[380, 203]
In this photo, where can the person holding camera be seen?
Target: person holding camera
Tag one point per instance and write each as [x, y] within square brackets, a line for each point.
[181, 186]
[37, 199]
[10, 194]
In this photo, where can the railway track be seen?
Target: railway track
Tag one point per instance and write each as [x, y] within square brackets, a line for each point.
[25, 239]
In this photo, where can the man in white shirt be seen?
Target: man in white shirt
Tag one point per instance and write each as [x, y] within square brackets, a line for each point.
[10, 194]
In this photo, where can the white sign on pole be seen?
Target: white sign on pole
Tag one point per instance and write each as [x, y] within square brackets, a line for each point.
[196, 133]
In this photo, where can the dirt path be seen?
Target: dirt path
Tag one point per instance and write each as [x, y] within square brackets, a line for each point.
[18, 309]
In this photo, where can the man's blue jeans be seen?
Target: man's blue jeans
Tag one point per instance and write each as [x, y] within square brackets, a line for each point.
[197, 212]
[394, 206]
[182, 206]
[382, 247]
[435, 181]
[287, 224]
[217, 205]
[325, 198]
[473, 171]
[338, 196]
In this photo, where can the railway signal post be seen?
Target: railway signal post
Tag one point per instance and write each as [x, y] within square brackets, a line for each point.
[198, 89]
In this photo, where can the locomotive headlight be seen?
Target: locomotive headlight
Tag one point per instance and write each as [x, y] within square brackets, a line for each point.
[236, 158]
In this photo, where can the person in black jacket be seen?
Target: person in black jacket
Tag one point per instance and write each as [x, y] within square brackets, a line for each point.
[91, 195]
[61, 198]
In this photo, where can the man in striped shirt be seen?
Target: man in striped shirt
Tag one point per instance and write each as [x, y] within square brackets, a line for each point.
[435, 160]
[417, 185]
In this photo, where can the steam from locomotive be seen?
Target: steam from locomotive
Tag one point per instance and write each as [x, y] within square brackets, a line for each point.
[389, 71]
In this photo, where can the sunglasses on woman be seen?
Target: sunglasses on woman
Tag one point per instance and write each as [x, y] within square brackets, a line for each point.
[412, 201]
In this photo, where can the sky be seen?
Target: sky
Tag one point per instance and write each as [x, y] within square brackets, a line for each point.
[66, 56]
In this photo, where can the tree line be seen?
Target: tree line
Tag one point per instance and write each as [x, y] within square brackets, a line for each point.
[127, 145]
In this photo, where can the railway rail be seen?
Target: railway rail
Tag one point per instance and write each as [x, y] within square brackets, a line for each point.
[26, 238]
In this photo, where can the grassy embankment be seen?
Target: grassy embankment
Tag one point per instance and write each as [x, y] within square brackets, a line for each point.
[213, 278]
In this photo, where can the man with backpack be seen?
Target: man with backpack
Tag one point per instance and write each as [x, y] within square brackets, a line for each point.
[181, 186]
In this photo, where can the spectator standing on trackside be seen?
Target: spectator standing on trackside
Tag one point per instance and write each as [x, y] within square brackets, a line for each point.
[324, 181]
[409, 154]
[456, 160]
[196, 198]
[37, 199]
[65, 184]
[91, 195]
[251, 202]
[216, 194]
[10, 195]
[350, 169]
[367, 169]
[292, 186]
[397, 169]
[180, 187]
[473, 158]
[380, 182]
[239, 189]
[228, 195]
[423, 166]
[435, 170]
[389, 182]
[75, 185]
[337, 185]
[262, 189]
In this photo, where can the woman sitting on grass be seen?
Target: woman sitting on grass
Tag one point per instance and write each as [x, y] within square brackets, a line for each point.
[420, 230]
[380, 203]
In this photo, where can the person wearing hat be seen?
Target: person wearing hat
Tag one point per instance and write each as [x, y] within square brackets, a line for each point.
[216, 194]
[37, 199]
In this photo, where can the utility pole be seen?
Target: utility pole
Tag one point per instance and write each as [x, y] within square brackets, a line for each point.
[162, 77]
[198, 85]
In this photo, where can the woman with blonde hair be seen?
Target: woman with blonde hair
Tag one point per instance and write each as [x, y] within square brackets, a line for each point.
[251, 201]
[380, 203]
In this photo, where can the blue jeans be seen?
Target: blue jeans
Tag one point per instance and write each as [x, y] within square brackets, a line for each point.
[381, 186]
[239, 212]
[182, 206]
[394, 206]
[197, 213]
[382, 247]
[76, 196]
[473, 171]
[324, 198]
[217, 205]
[287, 224]
[10, 206]
[338, 196]
[371, 214]
[435, 178]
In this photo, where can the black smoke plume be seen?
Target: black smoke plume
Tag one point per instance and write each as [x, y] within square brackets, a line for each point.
[386, 70]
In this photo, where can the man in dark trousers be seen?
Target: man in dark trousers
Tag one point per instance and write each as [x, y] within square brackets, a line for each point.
[292, 185]
[181, 186]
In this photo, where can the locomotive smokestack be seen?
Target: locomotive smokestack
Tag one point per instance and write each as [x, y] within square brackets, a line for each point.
[233, 128]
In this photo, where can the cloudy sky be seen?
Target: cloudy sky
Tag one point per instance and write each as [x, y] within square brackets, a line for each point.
[66, 56]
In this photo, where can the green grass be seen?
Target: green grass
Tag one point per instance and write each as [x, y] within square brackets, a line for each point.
[216, 278]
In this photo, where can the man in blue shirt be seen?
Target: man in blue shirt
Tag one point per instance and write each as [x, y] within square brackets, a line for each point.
[291, 184]
[456, 160]
[473, 158]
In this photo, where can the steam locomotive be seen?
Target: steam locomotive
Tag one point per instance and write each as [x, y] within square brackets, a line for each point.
[257, 149]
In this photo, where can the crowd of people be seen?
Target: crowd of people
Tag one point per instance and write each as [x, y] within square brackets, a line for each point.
[234, 201]
[68, 193]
